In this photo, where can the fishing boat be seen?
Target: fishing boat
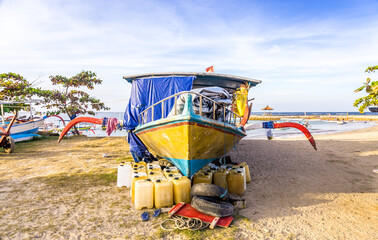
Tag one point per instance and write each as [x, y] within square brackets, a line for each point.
[373, 109]
[190, 119]
[24, 128]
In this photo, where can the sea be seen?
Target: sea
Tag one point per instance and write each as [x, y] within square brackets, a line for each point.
[315, 126]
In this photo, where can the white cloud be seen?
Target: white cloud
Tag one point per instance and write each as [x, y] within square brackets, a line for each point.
[126, 37]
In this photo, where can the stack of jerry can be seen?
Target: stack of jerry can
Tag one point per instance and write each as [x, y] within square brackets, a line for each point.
[231, 177]
[153, 187]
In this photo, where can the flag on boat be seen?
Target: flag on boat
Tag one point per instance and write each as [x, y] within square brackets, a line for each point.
[210, 69]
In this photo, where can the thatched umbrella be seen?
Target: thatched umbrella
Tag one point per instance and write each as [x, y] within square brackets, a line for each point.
[267, 108]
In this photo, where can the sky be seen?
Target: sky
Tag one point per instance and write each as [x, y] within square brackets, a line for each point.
[310, 55]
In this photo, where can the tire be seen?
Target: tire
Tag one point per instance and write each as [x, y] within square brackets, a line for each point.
[208, 190]
[9, 145]
[212, 206]
[237, 201]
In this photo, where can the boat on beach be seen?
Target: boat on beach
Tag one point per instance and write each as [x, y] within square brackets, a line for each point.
[189, 119]
[373, 109]
[192, 136]
[23, 128]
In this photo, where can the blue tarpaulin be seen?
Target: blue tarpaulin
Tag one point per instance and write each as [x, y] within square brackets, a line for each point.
[146, 92]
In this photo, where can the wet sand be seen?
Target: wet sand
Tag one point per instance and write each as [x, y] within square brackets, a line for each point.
[68, 191]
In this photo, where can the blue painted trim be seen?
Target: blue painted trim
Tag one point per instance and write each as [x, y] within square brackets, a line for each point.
[31, 131]
[17, 136]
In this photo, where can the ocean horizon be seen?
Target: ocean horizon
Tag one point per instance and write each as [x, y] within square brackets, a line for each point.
[315, 127]
[367, 113]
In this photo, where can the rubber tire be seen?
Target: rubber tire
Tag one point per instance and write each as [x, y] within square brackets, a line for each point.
[208, 190]
[9, 145]
[212, 206]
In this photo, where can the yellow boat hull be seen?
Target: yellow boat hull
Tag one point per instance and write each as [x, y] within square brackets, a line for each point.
[189, 141]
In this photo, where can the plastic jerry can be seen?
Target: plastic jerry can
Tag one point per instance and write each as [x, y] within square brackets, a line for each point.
[174, 169]
[144, 194]
[139, 168]
[163, 193]
[210, 172]
[141, 163]
[155, 175]
[235, 182]
[220, 178]
[202, 178]
[241, 168]
[181, 189]
[205, 168]
[139, 173]
[153, 168]
[153, 163]
[230, 166]
[134, 179]
[247, 172]
[158, 178]
[168, 171]
[124, 175]
[171, 176]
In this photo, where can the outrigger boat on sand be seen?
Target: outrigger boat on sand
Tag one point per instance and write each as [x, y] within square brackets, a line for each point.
[190, 119]
[23, 128]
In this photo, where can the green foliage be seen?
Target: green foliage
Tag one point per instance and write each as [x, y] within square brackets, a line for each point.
[371, 87]
[15, 87]
[69, 99]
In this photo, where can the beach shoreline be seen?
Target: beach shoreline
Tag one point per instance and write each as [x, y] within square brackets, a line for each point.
[68, 190]
[271, 117]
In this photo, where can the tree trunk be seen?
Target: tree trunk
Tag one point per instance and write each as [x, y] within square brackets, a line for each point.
[76, 130]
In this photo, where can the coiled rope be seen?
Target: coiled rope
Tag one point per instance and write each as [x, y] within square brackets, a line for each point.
[184, 223]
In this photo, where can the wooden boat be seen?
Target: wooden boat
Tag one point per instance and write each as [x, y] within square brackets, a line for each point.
[373, 109]
[186, 136]
[23, 128]
[189, 140]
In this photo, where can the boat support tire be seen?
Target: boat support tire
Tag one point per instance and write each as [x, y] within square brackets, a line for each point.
[212, 206]
[209, 190]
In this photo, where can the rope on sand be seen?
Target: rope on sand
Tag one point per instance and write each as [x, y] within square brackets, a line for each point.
[183, 223]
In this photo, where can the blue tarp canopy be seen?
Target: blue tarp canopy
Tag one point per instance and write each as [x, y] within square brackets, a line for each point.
[146, 92]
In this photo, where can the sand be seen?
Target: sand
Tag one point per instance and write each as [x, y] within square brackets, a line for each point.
[68, 191]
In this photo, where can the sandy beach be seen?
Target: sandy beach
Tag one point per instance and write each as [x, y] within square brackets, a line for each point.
[68, 191]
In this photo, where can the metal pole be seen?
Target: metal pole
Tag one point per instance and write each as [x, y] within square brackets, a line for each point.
[201, 106]
[214, 110]
[162, 109]
[2, 113]
[175, 103]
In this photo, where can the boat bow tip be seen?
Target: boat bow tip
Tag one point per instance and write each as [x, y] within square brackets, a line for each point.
[300, 127]
[76, 121]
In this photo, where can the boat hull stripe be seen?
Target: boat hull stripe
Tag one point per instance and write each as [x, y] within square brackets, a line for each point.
[185, 122]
